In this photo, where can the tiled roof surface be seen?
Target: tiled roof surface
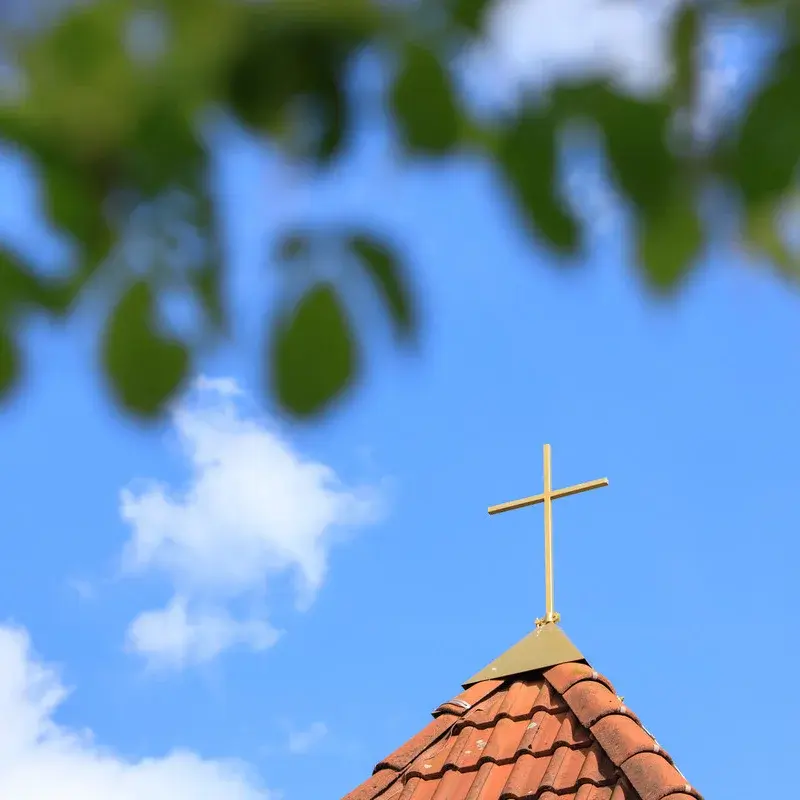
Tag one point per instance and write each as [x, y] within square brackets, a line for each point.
[560, 734]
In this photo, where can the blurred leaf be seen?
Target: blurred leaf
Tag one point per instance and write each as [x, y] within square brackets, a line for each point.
[146, 369]
[636, 137]
[685, 41]
[669, 242]
[253, 88]
[381, 265]
[528, 156]
[636, 144]
[16, 285]
[766, 155]
[165, 151]
[207, 282]
[20, 288]
[761, 233]
[86, 40]
[75, 204]
[313, 356]
[73, 191]
[292, 64]
[329, 118]
[81, 81]
[10, 363]
[470, 13]
[423, 103]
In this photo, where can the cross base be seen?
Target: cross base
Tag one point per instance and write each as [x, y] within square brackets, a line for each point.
[550, 618]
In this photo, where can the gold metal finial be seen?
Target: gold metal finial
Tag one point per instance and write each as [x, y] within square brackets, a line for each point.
[551, 615]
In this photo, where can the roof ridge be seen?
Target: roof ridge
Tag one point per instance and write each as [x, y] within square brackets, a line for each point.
[647, 767]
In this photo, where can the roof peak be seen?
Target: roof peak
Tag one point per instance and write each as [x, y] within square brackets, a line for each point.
[560, 732]
[544, 647]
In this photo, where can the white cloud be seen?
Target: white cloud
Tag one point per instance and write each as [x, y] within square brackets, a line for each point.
[41, 760]
[253, 508]
[301, 742]
[176, 635]
[533, 42]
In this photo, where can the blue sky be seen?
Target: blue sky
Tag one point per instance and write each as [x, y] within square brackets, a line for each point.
[238, 609]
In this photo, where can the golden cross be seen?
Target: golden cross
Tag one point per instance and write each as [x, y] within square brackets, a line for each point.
[547, 498]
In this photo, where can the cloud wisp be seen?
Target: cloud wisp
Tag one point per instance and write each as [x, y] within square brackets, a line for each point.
[303, 741]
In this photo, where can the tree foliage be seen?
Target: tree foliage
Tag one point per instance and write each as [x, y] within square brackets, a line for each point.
[108, 100]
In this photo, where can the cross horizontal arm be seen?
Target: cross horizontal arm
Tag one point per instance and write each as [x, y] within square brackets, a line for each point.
[539, 498]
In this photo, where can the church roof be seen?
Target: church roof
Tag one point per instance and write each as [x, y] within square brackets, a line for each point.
[558, 733]
[537, 723]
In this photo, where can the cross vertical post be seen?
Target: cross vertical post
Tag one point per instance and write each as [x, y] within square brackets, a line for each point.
[550, 612]
[546, 498]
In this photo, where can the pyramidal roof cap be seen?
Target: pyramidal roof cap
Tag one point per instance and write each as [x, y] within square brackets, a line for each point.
[544, 647]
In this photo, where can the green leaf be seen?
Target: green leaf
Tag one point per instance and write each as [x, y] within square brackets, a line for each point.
[15, 283]
[288, 77]
[21, 288]
[766, 155]
[635, 132]
[470, 13]
[74, 191]
[75, 205]
[10, 363]
[165, 151]
[330, 115]
[252, 87]
[670, 242]
[313, 354]
[528, 157]
[424, 104]
[146, 369]
[85, 43]
[685, 40]
[636, 143]
[761, 233]
[382, 267]
[207, 283]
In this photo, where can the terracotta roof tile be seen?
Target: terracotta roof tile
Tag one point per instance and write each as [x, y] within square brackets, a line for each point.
[468, 698]
[401, 757]
[557, 734]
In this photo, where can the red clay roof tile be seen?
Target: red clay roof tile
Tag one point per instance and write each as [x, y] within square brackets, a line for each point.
[654, 777]
[622, 738]
[557, 734]
[401, 757]
[468, 698]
